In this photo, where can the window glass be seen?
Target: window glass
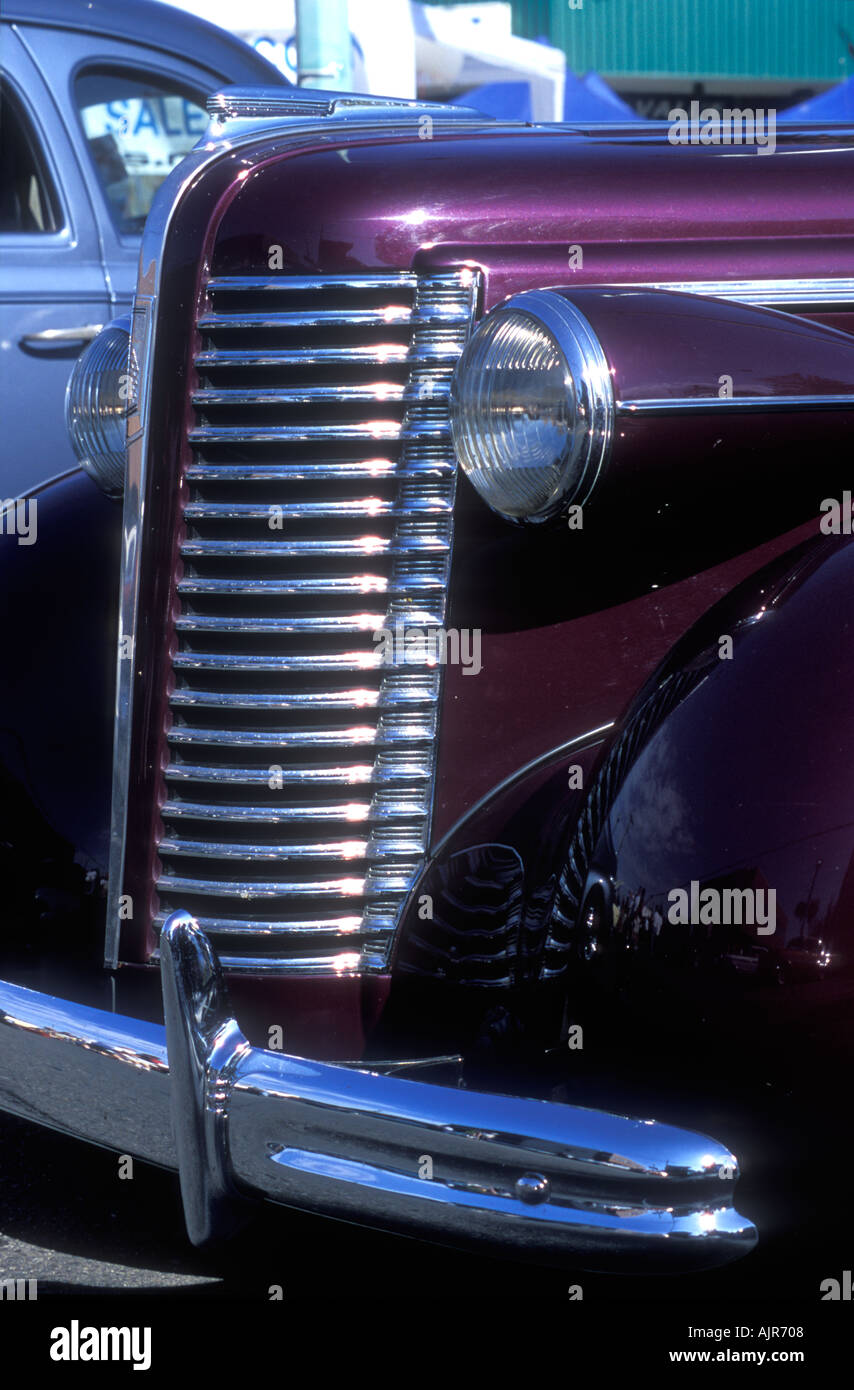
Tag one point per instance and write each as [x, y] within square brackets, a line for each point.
[137, 128]
[27, 201]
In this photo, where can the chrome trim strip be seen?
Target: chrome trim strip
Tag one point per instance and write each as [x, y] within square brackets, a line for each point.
[313, 434]
[346, 852]
[390, 316]
[383, 770]
[594, 736]
[226, 661]
[321, 395]
[363, 585]
[786, 130]
[364, 471]
[382, 697]
[311, 927]
[264, 104]
[404, 803]
[387, 878]
[357, 811]
[302, 284]
[376, 391]
[133, 518]
[342, 700]
[263, 888]
[337, 961]
[733, 405]
[422, 727]
[236, 103]
[388, 1067]
[433, 346]
[351, 547]
[427, 500]
[822, 292]
[344, 625]
[346, 775]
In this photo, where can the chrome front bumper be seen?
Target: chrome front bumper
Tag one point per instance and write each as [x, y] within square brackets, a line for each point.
[547, 1181]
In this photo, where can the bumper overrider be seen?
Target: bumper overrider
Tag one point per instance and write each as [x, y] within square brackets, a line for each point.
[530, 1178]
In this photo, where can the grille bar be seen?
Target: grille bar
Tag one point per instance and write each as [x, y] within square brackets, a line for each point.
[335, 622]
[361, 735]
[339, 850]
[411, 693]
[326, 661]
[318, 433]
[296, 801]
[372, 470]
[236, 926]
[433, 501]
[345, 775]
[359, 811]
[320, 284]
[435, 346]
[350, 547]
[387, 877]
[314, 585]
[388, 315]
[369, 391]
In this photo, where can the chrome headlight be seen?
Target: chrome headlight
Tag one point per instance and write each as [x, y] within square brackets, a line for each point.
[101, 394]
[532, 407]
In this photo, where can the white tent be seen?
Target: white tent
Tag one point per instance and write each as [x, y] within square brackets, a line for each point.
[401, 48]
[458, 47]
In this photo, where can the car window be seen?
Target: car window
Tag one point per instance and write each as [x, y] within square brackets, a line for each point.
[136, 127]
[28, 201]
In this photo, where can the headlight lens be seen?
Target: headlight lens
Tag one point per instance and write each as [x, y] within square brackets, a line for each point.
[532, 407]
[101, 394]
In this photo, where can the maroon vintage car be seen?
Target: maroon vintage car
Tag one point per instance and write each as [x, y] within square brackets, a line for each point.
[480, 768]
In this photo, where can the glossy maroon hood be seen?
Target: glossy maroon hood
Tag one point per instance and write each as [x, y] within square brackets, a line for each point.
[516, 201]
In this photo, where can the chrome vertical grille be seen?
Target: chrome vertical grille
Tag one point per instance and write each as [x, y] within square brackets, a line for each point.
[298, 791]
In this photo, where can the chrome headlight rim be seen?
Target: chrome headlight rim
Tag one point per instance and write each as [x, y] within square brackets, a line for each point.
[96, 418]
[591, 379]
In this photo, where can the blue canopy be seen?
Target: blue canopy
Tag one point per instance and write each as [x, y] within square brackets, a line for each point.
[836, 104]
[585, 99]
[598, 87]
[508, 101]
[591, 99]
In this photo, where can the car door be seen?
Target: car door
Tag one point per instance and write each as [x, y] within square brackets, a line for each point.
[53, 292]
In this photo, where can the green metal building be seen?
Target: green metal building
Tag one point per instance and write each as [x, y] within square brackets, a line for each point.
[792, 40]
[671, 49]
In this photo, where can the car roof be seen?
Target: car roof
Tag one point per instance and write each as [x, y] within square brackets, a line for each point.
[160, 26]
